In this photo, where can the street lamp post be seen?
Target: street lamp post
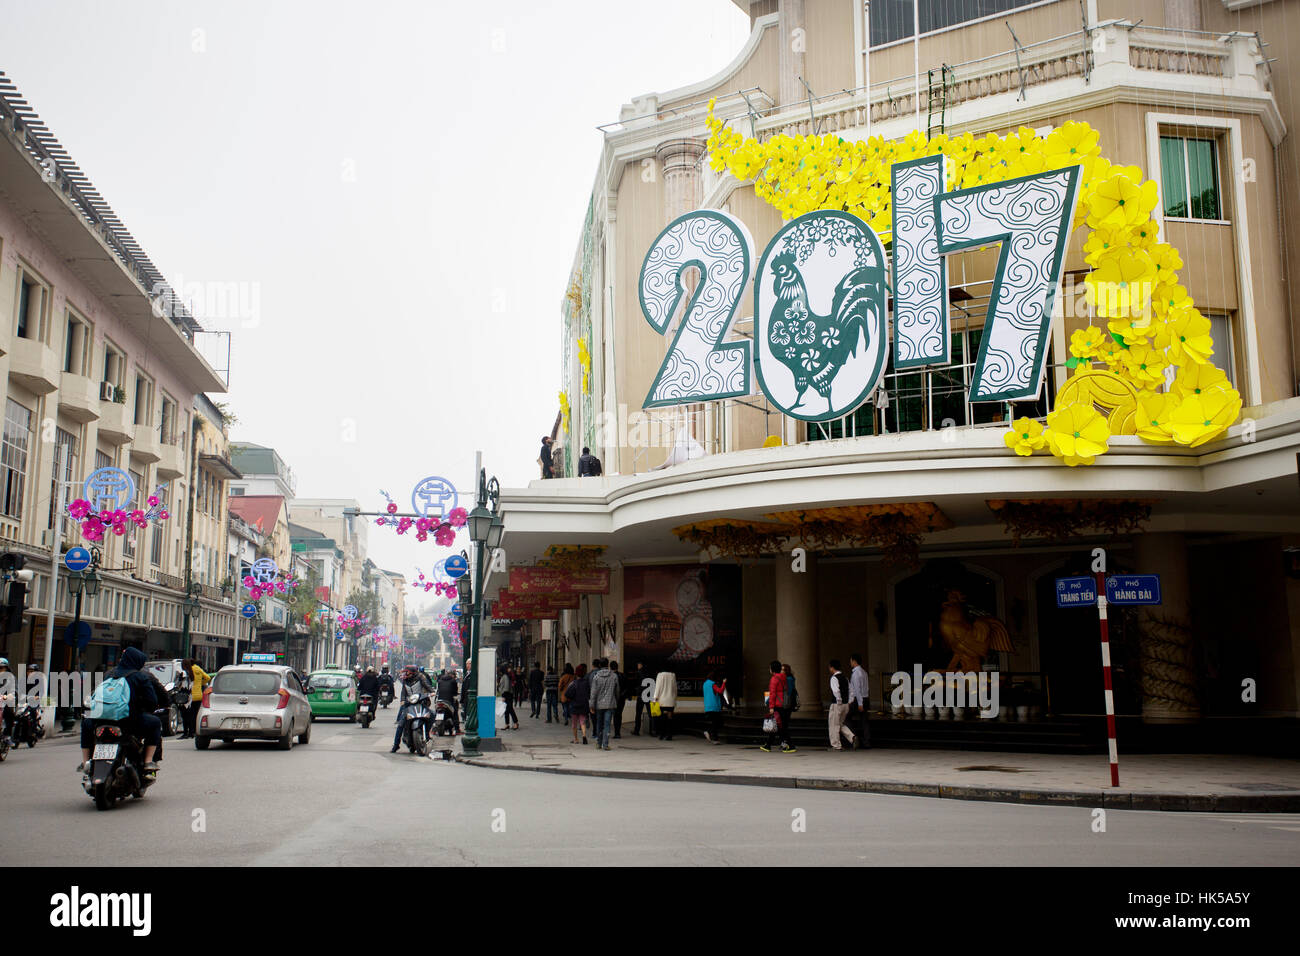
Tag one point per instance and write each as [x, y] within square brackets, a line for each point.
[189, 607]
[485, 529]
[80, 582]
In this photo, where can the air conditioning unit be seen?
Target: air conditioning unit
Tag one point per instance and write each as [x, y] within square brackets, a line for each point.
[106, 391]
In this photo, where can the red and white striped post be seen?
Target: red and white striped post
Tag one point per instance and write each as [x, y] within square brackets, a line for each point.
[1105, 670]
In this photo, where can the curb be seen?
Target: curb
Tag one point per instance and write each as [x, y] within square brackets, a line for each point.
[1280, 802]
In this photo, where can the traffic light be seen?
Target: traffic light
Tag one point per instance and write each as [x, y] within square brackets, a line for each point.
[11, 615]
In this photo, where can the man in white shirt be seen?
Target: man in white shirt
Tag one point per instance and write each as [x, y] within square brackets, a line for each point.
[860, 700]
[839, 708]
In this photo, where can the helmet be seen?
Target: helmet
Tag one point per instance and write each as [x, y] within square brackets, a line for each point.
[385, 669]
[370, 670]
[408, 671]
[4, 662]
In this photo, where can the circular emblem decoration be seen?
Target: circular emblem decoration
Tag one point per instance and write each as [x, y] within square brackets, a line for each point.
[349, 612]
[109, 489]
[433, 496]
[264, 570]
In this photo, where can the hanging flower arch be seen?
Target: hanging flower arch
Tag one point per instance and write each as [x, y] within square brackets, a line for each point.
[1150, 320]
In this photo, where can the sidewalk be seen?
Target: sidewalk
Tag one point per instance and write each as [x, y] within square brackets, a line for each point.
[1210, 782]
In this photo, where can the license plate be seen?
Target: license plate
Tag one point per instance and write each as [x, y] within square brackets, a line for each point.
[239, 723]
[105, 752]
[329, 695]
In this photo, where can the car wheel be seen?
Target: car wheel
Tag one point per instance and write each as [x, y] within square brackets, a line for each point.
[304, 738]
[313, 718]
[286, 742]
[202, 743]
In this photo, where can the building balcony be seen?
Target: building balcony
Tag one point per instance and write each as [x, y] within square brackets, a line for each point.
[78, 397]
[116, 424]
[146, 447]
[171, 461]
[34, 365]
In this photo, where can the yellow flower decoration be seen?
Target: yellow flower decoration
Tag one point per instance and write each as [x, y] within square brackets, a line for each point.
[1086, 343]
[1120, 284]
[1077, 434]
[1025, 436]
[1199, 418]
[1071, 144]
[1196, 378]
[1187, 336]
[1153, 413]
[1145, 366]
[1119, 201]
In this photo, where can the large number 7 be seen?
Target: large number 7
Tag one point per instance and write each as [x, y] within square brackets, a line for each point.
[1031, 218]
[698, 366]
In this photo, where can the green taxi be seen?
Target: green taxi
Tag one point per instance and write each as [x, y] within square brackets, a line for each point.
[332, 692]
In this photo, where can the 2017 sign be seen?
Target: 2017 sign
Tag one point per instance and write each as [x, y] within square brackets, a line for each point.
[822, 292]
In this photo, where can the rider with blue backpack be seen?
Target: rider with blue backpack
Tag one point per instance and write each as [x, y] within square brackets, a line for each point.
[126, 696]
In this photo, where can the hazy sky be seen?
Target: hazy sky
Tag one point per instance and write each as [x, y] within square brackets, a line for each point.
[374, 177]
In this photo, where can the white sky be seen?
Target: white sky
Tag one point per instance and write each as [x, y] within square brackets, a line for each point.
[373, 175]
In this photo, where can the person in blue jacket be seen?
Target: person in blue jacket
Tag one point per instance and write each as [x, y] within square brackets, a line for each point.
[141, 722]
[713, 691]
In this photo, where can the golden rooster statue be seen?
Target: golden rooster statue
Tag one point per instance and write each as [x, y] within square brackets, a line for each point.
[970, 640]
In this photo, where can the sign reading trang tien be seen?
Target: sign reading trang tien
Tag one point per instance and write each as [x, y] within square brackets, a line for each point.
[1076, 592]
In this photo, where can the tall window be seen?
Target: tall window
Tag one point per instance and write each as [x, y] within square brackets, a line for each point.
[156, 552]
[102, 459]
[13, 456]
[1224, 351]
[65, 470]
[78, 346]
[141, 492]
[891, 20]
[32, 299]
[1190, 170]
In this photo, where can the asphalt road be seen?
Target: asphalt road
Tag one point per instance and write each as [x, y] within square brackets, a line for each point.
[344, 799]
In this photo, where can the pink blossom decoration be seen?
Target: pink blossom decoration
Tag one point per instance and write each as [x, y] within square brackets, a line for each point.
[457, 517]
[153, 501]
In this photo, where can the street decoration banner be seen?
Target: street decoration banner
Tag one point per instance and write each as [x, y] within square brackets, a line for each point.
[820, 292]
[528, 580]
[685, 619]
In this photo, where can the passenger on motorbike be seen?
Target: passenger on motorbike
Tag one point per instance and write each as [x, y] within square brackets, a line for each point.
[386, 681]
[414, 686]
[141, 722]
[8, 697]
[369, 684]
[448, 693]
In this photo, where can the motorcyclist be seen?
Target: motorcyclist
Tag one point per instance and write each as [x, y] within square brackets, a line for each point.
[8, 697]
[369, 685]
[386, 681]
[414, 686]
[141, 721]
[449, 693]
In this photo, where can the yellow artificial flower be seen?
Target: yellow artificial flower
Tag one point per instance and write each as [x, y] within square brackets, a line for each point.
[1196, 378]
[1144, 365]
[1152, 419]
[1071, 144]
[1167, 262]
[1187, 336]
[1025, 436]
[1077, 434]
[1199, 418]
[1120, 201]
[1087, 343]
[1120, 285]
[1171, 300]
[1104, 242]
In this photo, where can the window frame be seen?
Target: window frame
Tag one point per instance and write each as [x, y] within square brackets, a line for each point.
[25, 273]
[1185, 135]
[8, 471]
[910, 38]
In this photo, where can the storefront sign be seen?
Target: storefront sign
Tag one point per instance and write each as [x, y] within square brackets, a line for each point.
[1133, 589]
[525, 580]
[1076, 592]
[821, 291]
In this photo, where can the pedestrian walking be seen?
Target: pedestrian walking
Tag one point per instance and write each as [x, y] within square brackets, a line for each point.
[578, 694]
[713, 691]
[551, 684]
[566, 679]
[777, 723]
[535, 681]
[860, 700]
[622, 699]
[506, 693]
[604, 698]
[199, 680]
[665, 695]
[643, 687]
[791, 701]
[839, 708]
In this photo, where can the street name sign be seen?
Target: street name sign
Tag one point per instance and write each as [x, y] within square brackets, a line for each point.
[1133, 589]
[1076, 592]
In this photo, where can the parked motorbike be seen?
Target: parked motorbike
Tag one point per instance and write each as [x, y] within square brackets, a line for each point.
[419, 718]
[116, 767]
[443, 720]
[385, 696]
[366, 710]
[28, 726]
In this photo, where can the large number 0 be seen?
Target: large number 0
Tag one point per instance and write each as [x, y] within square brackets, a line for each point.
[1031, 219]
[698, 366]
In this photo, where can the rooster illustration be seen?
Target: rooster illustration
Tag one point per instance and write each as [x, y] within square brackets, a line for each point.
[815, 347]
[970, 640]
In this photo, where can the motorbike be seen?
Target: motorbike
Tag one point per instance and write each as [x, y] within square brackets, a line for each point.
[443, 720]
[385, 696]
[28, 726]
[418, 719]
[366, 710]
[116, 767]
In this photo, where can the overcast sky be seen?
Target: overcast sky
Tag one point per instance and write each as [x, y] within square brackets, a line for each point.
[374, 176]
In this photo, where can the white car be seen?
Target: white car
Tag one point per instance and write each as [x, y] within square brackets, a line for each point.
[254, 701]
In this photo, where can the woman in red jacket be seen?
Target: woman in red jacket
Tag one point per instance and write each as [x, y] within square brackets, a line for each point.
[775, 703]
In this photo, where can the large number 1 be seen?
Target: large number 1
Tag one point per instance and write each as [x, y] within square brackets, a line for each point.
[698, 366]
[1031, 219]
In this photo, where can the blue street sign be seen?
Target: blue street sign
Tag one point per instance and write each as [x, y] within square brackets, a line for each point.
[259, 659]
[76, 559]
[1133, 589]
[1076, 592]
[456, 566]
[249, 610]
[79, 635]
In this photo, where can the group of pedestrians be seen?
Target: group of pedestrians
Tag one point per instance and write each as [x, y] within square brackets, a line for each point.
[850, 704]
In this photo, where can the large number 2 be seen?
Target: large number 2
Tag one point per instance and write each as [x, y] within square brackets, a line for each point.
[1031, 219]
[698, 366]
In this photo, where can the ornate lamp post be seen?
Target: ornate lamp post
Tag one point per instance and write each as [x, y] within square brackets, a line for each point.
[482, 532]
[189, 607]
[80, 582]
